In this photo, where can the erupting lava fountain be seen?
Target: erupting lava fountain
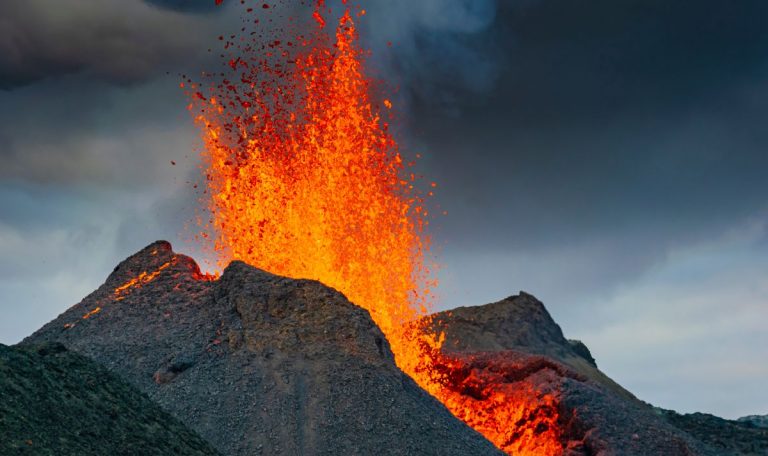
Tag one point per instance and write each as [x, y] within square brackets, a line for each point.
[304, 179]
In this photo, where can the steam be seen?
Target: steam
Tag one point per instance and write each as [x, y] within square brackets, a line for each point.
[420, 46]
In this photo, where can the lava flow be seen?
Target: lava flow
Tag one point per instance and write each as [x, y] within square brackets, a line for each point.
[304, 179]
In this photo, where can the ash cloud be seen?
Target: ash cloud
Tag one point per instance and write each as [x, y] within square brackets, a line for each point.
[433, 43]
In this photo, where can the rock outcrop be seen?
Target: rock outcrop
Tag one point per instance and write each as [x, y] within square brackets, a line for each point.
[256, 363]
[55, 402]
[520, 323]
[517, 340]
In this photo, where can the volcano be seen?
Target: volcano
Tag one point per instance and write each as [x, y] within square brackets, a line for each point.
[257, 363]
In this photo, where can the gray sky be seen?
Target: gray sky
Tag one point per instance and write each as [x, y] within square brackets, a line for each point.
[608, 157]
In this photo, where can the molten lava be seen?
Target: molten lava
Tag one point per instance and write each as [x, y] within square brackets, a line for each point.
[304, 179]
[91, 313]
[492, 393]
[140, 280]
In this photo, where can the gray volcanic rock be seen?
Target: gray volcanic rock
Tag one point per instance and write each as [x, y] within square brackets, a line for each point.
[55, 402]
[256, 363]
[520, 323]
[516, 340]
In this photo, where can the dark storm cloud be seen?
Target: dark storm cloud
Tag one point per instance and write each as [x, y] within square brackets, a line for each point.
[72, 133]
[561, 54]
[120, 41]
[603, 115]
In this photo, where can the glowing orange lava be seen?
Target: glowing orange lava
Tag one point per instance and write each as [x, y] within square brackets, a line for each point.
[91, 313]
[491, 393]
[305, 180]
[143, 278]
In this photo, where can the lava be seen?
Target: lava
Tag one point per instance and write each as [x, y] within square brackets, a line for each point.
[140, 280]
[492, 393]
[305, 179]
[91, 313]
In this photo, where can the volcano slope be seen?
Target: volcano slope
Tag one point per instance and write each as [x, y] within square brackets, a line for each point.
[515, 345]
[256, 363]
[55, 402]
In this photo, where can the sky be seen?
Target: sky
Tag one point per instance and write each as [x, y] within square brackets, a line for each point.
[607, 157]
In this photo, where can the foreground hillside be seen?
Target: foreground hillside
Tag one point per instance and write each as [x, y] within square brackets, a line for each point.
[55, 402]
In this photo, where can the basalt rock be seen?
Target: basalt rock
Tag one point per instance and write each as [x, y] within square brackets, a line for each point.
[257, 363]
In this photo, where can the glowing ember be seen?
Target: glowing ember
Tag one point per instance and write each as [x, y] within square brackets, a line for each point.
[143, 278]
[205, 276]
[305, 180]
[92, 313]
